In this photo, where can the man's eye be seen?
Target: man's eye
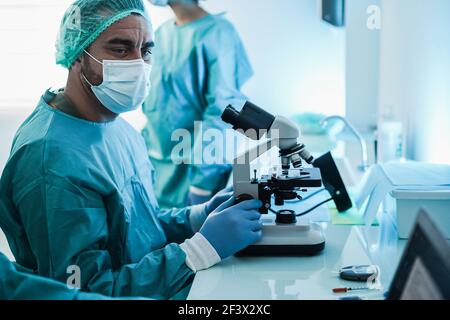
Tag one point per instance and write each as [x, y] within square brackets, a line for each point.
[146, 53]
[120, 51]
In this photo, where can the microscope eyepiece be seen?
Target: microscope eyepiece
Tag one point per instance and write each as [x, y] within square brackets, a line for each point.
[231, 115]
[251, 117]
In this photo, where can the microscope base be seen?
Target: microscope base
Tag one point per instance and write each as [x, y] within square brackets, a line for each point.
[287, 240]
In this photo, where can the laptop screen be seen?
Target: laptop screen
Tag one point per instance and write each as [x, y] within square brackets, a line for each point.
[424, 270]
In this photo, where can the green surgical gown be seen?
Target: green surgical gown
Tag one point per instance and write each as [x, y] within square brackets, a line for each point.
[80, 193]
[198, 70]
[16, 284]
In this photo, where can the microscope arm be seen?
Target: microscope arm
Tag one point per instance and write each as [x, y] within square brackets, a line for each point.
[283, 133]
[241, 166]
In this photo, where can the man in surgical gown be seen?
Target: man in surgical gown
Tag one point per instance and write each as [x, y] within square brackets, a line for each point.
[200, 67]
[76, 195]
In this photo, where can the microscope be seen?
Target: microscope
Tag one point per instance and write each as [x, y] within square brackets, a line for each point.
[283, 233]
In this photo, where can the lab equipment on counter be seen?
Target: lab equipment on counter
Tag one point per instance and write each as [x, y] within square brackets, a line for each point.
[403, 205]
[395, 176]
[424, 270]
[283, 234]
[364, 153]
[390, 141]
[359, 273]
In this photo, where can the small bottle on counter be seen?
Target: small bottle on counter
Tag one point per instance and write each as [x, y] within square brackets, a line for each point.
[390, 138]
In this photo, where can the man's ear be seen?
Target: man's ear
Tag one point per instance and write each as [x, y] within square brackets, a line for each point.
[76, 66]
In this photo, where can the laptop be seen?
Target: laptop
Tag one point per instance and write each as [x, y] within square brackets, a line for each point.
[424, 270]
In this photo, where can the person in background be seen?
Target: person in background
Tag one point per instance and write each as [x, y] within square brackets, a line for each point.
[77, 190]
[200, 65]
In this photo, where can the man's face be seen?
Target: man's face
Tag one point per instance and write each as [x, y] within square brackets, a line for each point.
[127, 39]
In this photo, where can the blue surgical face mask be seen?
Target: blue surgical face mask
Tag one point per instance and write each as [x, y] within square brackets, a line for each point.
[125, 86]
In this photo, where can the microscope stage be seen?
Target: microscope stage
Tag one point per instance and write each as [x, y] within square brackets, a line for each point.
[301, 239]
[297, 178]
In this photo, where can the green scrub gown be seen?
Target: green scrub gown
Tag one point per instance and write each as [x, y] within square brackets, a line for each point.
[198, 70]
[80, 193]
[17, 284]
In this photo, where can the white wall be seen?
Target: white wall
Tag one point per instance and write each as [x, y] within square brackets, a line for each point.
[28, 30]
[299, 60]
[362, 66]
[415, 73]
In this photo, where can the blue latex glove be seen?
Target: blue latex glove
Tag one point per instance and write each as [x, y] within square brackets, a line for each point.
[232, 228]
[195, 199]
[218, 199]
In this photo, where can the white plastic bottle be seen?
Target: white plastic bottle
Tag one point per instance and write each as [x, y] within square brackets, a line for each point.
[390, 138]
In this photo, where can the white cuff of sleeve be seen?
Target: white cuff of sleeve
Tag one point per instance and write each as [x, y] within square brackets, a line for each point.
[197, 217]
[200, 192]
[200, 254]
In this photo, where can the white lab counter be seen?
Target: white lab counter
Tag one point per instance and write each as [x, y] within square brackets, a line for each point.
[303, 278]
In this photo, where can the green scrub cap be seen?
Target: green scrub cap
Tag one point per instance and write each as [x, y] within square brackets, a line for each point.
[85, 20]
